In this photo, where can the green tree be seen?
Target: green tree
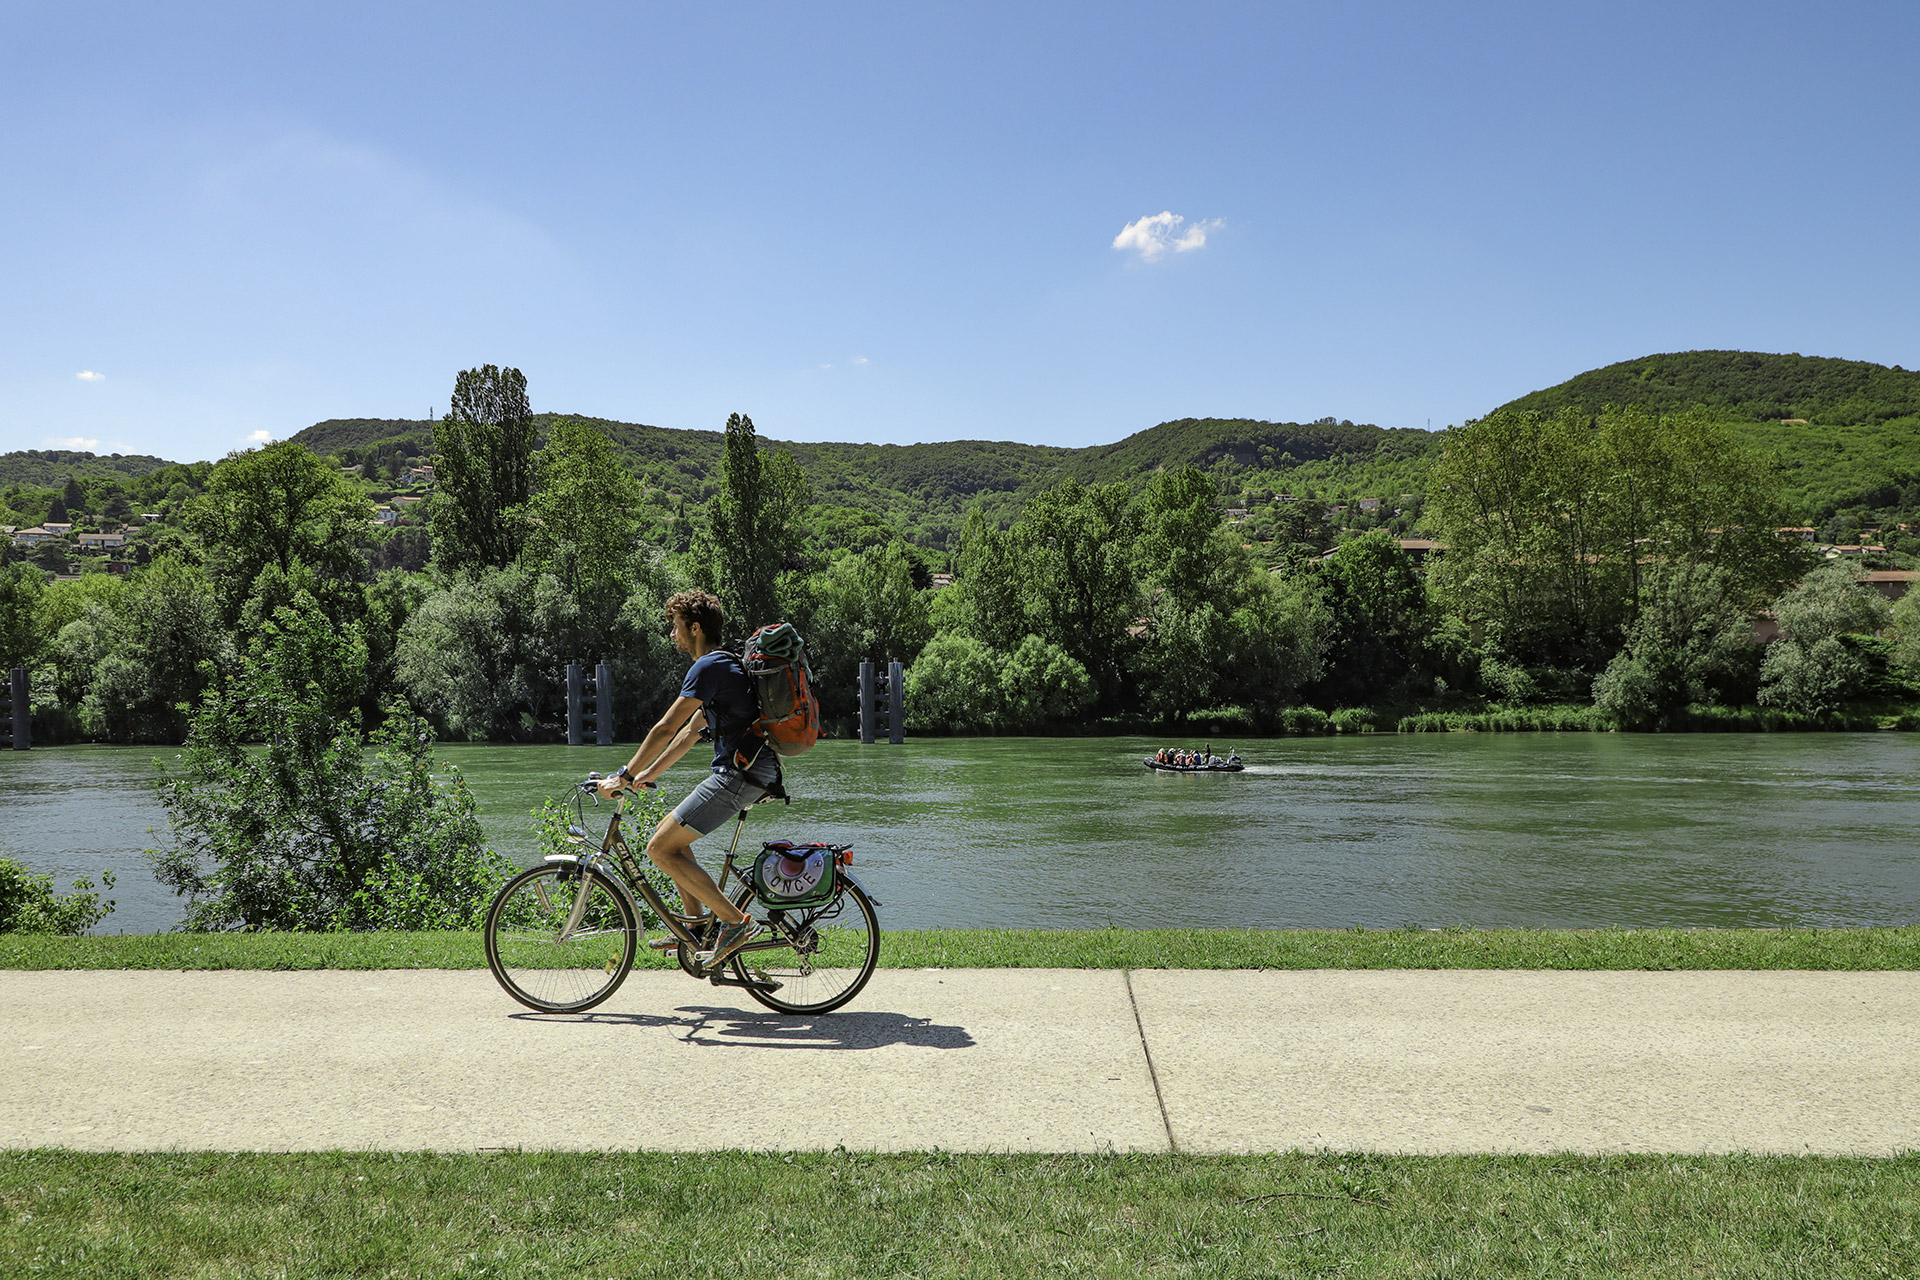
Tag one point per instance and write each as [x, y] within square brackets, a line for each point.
[1276, 644]
[954, 686]
[1042, 687]
[872, 592]
[1552, 520]
[73, 497]
[990, 597]
[1181, 666]
[278, 508]
[753, 530]
[1905, 619]
[481, 656]
[1299, 530]
[1075, 557]
[286, 814]
[1184, 548]
[1687, 644]
[583, 517]
[139, 663]
[483, 471]
[1379, 616]
[21, 639]
[1824, 658]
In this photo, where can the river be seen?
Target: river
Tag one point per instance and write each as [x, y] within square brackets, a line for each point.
[1554, 830]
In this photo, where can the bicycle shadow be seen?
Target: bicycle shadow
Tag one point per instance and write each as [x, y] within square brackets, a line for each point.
[723, 1028]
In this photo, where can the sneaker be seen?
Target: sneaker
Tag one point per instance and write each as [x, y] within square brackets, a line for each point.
[668, 943]
[729, 940]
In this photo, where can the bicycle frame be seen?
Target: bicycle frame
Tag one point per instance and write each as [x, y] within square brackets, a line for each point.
[615, 861]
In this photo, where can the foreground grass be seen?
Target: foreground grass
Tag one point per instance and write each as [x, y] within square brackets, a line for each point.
[1896, 948]
[838, 1214]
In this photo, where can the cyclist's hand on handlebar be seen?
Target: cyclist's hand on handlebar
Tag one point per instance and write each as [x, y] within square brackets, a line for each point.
[614, 783]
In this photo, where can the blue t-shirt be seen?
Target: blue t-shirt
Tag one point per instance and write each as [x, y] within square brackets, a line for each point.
[726, 693]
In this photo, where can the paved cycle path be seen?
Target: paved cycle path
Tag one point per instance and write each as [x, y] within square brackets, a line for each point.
[1012, 1059]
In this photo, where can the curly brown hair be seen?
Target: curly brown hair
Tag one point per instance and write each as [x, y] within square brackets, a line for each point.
[698, 608]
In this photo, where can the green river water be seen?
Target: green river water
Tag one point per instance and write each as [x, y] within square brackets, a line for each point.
[1555, 830]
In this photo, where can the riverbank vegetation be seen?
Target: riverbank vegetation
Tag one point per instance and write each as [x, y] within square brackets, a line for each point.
[938, 1213]
[1599, 565]
[1814, 949]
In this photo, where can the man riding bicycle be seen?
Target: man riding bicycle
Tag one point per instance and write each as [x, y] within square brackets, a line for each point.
[717, 694]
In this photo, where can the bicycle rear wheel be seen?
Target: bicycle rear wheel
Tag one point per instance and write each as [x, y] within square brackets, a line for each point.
[830, 955]
[540, 967]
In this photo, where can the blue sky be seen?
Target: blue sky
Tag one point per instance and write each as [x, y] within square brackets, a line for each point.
[913, 222]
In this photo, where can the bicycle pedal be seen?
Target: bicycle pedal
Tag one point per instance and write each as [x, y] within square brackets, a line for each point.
[763, 984]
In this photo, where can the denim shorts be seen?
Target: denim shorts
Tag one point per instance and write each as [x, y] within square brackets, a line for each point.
[725, 793]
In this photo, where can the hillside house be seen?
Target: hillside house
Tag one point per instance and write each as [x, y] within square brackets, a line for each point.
[1236, 514]
[1801, 531]
[1891, 583]
[1420, 550]
[34, 537]
[384, 516]
[1849, 549]
[1369, 504]
[418, 475]
[102, 541]
[942, 580]
[62, 529]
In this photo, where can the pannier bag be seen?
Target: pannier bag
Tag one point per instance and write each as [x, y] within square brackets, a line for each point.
[788, 875]
[776, 661]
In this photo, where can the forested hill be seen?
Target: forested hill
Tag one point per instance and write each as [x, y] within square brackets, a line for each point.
[49, 468]
[1859, 447]
[1743, 386]
[939, 478]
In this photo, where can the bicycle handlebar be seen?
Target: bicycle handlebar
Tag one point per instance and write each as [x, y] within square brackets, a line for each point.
[592, 784]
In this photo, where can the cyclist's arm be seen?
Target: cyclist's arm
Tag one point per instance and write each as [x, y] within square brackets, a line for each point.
[668, 740]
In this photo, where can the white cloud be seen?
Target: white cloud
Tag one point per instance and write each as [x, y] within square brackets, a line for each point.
[88, 375]
[73, 442]
[262, 436]
[1152, 236]
[858, 360]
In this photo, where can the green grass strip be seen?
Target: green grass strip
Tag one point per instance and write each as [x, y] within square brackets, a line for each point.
[725, 1214]
[1893, 948]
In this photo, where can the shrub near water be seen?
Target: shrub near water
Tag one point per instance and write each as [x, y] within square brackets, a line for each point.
[322, 825]
[28, 903]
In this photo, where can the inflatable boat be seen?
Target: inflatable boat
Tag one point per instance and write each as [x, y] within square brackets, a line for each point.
[1230, 765]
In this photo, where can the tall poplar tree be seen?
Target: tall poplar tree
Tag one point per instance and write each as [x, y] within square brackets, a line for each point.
[752, 530]
[483, 470]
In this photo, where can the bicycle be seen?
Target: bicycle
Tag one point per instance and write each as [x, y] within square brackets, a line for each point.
[562, 936]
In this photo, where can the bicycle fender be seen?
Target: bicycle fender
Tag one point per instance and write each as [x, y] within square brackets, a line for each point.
[848, 876]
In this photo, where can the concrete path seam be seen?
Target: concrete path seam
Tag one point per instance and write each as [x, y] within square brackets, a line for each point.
[1152, 1074]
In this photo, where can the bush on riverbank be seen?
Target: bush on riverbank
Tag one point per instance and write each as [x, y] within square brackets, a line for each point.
[321, 825]
[28, 903]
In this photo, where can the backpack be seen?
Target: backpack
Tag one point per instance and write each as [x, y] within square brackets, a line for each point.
[775, 659]
[788, 875]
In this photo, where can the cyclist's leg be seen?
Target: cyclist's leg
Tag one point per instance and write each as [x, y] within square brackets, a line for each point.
[715, 801]
[671, 848]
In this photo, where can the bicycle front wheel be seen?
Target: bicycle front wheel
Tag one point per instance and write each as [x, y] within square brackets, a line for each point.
[543, 963]
[828, 955]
